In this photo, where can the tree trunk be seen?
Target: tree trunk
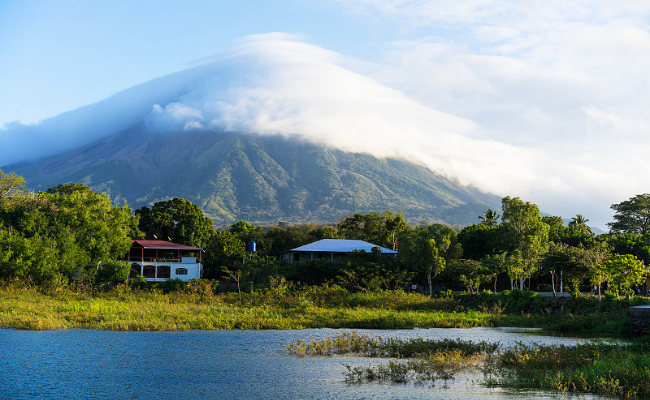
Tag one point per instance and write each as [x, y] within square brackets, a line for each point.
[430, 284]
[553, 283]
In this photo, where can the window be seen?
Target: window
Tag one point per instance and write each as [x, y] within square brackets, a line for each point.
[181, 271]
[164, 271]
[149, 271]
[296, 257]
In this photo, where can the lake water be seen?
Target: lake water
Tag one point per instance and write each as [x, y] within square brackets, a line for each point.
[89, 364]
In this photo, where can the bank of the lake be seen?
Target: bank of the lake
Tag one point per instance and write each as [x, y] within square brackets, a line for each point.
[128, 309]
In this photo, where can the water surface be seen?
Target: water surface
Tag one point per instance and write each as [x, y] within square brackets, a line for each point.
[90, 364]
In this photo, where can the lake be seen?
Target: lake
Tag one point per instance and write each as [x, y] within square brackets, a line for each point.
[90, 364]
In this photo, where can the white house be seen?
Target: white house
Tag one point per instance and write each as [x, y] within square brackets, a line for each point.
[331, 250]
[158, 260]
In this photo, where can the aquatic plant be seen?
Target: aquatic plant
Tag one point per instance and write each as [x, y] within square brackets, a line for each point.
[609, 369]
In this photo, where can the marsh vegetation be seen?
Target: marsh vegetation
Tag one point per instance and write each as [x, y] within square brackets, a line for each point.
[619, 370]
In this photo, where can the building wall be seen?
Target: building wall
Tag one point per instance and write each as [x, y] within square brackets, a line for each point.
[304, 257]
[194, 270]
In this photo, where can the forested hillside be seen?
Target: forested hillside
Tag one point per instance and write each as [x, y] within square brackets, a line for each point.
[261, 179]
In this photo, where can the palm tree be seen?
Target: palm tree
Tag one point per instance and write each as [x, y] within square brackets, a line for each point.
[580, 223]
[489, 218]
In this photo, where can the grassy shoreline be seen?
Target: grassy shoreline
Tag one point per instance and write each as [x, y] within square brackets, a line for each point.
[126, 308]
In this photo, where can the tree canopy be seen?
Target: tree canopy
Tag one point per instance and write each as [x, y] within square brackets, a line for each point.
[176, 220]
[527, 233]
[61, 233]
[632, 215]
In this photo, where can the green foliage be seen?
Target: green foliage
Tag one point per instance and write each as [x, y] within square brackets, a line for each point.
[480, 241]
[112, 271]
[380, 229]
[223, 250]
[632, 215]
[494, 266]
[630, 243]
[377, 346]
[54, 236]
[526, 233]
[471, 273]
[102, 229]
[428, 250]
[176, 220]
[371, 272]
[10, 184]
[612, 370]
[621, 271]
[576, 263]
[580, 224]
[490, 218]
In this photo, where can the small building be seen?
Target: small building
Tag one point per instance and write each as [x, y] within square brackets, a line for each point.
[158, 260]
[331, 250]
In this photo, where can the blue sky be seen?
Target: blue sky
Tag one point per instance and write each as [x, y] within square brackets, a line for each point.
[546, 100]
[60, 55]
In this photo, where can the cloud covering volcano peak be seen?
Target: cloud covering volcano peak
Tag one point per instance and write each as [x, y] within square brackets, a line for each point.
[273, 84]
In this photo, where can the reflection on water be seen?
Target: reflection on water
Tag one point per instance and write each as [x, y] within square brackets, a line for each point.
[218, 364]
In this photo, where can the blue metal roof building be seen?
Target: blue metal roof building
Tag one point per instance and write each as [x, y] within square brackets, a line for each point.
[331, 249]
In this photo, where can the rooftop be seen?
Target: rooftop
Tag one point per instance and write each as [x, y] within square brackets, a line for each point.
[161, 244]
[341, 246]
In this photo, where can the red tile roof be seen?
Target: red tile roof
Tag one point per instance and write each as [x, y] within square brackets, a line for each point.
[161, 244]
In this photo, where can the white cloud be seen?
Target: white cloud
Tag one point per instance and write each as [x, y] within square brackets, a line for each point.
[567, 78]
[174, 117]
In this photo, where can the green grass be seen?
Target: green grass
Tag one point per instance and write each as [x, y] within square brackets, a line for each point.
[200, 306]
[28, 308]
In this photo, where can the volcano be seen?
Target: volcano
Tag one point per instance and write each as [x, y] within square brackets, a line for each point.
[271, 131]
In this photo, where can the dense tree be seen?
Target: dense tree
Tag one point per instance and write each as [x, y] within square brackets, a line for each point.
[429, 250]
[471, 273]
[590, 259]
[380, 229]
[632, 216]
[493, 266]
[176, 220]
[281, 239]
[556, 228]
[101, 229]
[621, 272]
[562, 258]
[480, 241]
[630, 243]
[10, 184]
[62, 233]
[371, 271]
[223, 251]
[527, 234]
